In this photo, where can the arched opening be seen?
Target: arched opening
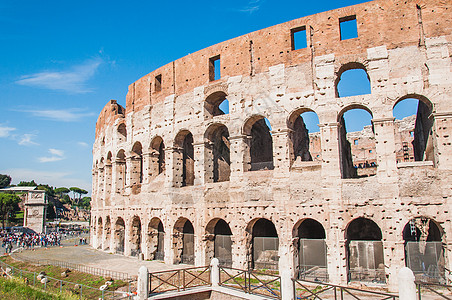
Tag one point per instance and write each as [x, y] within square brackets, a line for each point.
[310, 251]
[107, 231]
[304, 137]
[135, 237]
[122, 132]
[216, 104]
[364, 248]
[157, 157]
[424, 250]
[156, 238]
[119, 235]
[101, 180]
[121, 169]
[108, 178]
[259, 154]
[413, 129]
[352, 80]
[264, 245]
[184, 242]
[184, 157]
[219, 242]
[99, 233]
[357, 143]
[217, 155]
[136, 164]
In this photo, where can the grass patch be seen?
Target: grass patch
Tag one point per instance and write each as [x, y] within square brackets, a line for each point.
[18, 290]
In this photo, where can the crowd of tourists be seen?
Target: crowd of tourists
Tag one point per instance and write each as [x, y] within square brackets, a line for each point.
[29, 240]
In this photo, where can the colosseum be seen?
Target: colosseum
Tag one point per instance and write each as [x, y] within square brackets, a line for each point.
[213, 156]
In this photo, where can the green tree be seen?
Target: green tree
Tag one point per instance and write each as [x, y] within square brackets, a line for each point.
[8, 204]
[5, 180]
[78, 192]
[85, 202]
[27, 183]
[61, 191]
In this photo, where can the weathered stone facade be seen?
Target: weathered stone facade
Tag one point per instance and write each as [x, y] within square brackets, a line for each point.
[171, 172]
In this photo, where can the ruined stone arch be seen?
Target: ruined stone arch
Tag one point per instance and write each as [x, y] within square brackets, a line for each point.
[107, 231]
[99, 231]
[135, 236]
[212, 104]
[122, 132]
[184, 161]
[155, 239]
[218, 239]
[262, 244]
[120, 167]
[422, 147]
[362, 163]
[184, 242]
[217, 160]
[157, 157]
[136, 164]
[108, 172]
[364, 251]
[310, 250]
[119, 235]
[353, 65]
[258, 154]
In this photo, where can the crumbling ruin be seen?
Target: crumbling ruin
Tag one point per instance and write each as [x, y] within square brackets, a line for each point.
[199, 165]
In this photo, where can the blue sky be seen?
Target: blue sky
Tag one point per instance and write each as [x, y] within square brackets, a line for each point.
[61, 61]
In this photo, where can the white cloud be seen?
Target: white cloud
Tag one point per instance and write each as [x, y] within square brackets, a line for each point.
[61, 115]
[5, 131]
[55, 179]
[26, 139]
[251, 7]
[83, 144]
[56, 156]
[73, 80]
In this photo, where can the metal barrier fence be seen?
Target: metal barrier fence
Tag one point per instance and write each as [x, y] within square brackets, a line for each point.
[439, 290]
[304, 289]
[251, 282]
[178, 280]
[55, 285]
[81, 268]
[265, 253]
[427, 261]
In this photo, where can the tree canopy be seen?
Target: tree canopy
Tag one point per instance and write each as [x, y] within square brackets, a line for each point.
[27, 183]
[8, 204]
[5, 180]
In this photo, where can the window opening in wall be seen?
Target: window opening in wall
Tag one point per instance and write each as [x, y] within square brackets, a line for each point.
[135, 237]
[352, 80]
[305, 137]
[217, 154]
[188, 250]
[158, 83]
[185, 173]
[99, 233]
[122, 132]
[214, 68]
[219, 241]
[107, 230]
[264, 244]
[157, 158]
[364, 246]
[119, 236]
[298, 36]
[216, 104]
[121, 170]
[137, 164]
[348, 27]
[310, 256]
[155, 240]
[413, 130]
[357, 159]
[260, 144]
[424, 250]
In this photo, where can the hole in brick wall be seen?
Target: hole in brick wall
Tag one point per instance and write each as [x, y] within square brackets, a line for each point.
[348, 27]
[214, 68]
[216, 104]
[305, 136]
[352, 80]
[298, 37]
[158, 83]
[260, 144]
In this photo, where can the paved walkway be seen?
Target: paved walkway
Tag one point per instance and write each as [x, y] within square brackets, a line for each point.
[86, 255]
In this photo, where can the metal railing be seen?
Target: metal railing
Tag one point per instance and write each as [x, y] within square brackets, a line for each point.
[55, 285]
[178, 280]
[304, 289]
[77, 267]
[439, 290]
[251, 282]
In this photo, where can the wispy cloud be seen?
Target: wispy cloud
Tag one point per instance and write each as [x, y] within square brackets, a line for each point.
[61, 115]
[73, 80]
[251, 7]
[5, 131]
[56, 155]
[83, 144]
[27, 139]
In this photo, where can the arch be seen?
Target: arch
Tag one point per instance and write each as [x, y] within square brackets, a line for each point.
[156, 237]
[305, 142]
[310, 251]
[157, 163]
[185, 176]
[348, 84]
[425, 249]
[219, 241]
[107, 230]
[108, 178]
[364, 247]
[135, 236]
[263, 244]
[136, 172]
[119, 237]
[121, 170]
[214, 105]
[184, 242]
[259, 151]
[357, 148]
[99, 231]
[122, 132]
[217, 160]
[414, 134]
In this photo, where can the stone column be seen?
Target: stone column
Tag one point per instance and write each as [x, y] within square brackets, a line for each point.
[239, 153]
[143, 283]
[127, 237]
[199, 153]
[239, 251]
[101, 185]
[394, 258]
[442, 124]
[108, 184]
[407, 287]
[385, 149]
[286, 265]
[173, 171]
[147, 167]
[281, 151]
